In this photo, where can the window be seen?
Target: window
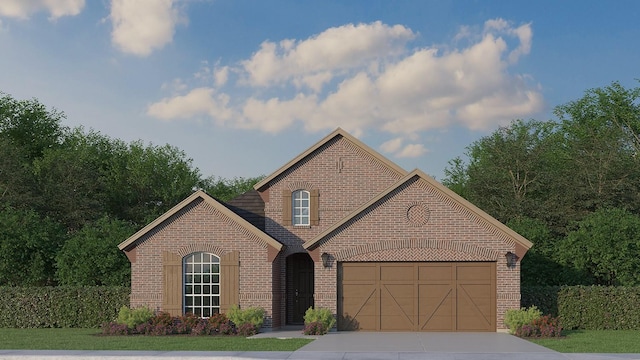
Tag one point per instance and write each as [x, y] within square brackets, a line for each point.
[201, 284]
[300, 207]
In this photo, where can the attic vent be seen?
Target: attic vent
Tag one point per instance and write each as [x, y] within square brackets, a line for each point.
[339, 165]
[418, 214]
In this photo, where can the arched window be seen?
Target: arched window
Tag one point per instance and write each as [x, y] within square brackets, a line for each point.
[300, 205]
[201, 284]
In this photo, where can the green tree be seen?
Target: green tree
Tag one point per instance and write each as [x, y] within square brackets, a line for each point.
[29, 125]
[28, 244]
[71, 178]
[91, 256]
[145, 181]
[606, 245]
[508, 170]
[600, 148]
[227, 189]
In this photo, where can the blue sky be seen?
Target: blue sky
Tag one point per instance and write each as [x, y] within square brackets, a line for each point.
[244, 86]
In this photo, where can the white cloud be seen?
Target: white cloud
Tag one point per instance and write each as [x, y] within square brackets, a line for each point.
[22, 9]
[142, 26]
[367, 77]
[412, 151]
[335, 49]
[392, 145]
[198, 102]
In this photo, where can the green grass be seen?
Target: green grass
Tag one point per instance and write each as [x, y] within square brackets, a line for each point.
[89, 339]
[594, 341]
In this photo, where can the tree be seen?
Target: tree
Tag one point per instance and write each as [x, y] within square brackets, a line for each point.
[71, 178]
[91, 256]
[606, 245]
[600, 137]
[28, 244]
[145, 181]
[227, 189]
[29, 125]
[508, 170]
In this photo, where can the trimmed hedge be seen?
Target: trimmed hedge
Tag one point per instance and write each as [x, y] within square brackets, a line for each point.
[588, 307]
[61, 306]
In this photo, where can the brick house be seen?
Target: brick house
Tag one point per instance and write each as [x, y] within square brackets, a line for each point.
[339, 227]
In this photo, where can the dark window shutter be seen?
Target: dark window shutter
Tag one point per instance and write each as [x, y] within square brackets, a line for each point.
[313, 204]
[286, 208]
[172, 283]
[230, 281]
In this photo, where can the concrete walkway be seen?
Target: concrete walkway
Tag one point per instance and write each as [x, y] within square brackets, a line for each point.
[352, 346]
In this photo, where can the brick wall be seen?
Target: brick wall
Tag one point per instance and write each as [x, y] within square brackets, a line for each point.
[395, 230]
[345, 176]
[201, 227]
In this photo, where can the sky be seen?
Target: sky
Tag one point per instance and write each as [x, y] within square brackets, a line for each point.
[242, 87]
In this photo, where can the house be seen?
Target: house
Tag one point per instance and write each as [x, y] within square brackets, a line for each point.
[339, 227]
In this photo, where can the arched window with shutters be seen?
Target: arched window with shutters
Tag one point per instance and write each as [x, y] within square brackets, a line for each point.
[201, 284]
[300, 208]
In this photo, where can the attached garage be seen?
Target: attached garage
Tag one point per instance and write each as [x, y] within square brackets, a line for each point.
[417, 296]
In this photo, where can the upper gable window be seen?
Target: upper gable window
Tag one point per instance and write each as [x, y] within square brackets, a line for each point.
[301, 204]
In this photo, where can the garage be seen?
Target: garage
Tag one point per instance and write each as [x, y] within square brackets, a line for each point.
[417, 296]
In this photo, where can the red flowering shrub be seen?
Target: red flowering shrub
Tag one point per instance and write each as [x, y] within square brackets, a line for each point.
[114, 328]
[315, 328]
[247, 329]
[544, 326]
[165, 324]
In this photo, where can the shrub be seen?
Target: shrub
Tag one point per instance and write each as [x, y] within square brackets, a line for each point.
[216, 321]
[544, 326]
[113, 328]
[517, 318]
[314, 328]
[320, 315]
[134, 317]
[162, 318]
[60, 306]
[251, 315]
[247, 329]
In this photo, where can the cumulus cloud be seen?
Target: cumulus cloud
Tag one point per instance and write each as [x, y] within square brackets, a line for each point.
[22, 9]
[142, 26]
[370, 77]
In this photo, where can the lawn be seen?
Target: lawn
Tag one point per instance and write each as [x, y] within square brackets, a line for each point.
[89, 339]
[595, 341]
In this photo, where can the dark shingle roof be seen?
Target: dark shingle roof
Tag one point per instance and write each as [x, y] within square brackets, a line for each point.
[250, 207]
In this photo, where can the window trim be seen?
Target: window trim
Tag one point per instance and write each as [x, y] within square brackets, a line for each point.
[301, 214]
[194, 267]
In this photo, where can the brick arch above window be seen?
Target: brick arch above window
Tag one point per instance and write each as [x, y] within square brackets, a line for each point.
[300, 185]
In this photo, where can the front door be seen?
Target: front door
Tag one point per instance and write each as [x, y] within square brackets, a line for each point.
[299, 287]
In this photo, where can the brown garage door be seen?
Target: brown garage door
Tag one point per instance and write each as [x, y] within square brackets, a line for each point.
[417, 296]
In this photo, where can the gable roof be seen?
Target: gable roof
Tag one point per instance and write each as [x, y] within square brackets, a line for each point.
[216, 205]
[316, 146]
[519, 239]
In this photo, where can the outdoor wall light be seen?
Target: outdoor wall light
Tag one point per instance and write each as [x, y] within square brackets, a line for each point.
[511, 259]
[325, 259]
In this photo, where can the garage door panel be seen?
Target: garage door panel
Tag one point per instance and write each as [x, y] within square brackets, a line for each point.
[397, 273]
[358, 272]
[470, 272]
[435, 272]
[435, 308]
[418, 296]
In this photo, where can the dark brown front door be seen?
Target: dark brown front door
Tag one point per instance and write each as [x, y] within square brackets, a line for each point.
[299, 287]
